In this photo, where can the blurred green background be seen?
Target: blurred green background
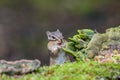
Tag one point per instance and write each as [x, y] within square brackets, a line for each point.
[23, 23]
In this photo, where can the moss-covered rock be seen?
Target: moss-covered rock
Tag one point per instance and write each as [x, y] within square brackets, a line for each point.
[87, 44]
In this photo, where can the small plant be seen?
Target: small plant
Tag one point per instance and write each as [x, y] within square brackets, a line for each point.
[78, 44]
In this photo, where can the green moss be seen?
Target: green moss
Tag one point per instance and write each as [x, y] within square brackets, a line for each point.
[94, 45]
[78, 44]
[73, 71]
[87, 44]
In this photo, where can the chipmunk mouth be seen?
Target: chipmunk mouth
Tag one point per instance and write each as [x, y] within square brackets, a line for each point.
[60, 42]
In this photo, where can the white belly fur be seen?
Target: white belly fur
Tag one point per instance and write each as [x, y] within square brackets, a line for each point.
[61, 58]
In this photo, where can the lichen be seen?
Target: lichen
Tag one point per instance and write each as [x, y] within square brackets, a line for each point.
[19, 67]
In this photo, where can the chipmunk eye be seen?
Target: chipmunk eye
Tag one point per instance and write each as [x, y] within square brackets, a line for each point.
[53, 37]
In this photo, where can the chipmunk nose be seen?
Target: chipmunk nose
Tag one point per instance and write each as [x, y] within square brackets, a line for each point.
[59, 40]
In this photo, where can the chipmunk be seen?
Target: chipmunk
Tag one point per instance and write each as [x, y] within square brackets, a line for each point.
[55, 45]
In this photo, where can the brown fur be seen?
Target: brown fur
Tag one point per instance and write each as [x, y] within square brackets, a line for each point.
[55, 45]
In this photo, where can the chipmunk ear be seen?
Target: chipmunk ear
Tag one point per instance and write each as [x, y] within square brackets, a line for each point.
[58, 30]
[48, 34]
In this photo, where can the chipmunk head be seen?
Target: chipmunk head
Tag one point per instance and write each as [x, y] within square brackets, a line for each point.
[55, 35]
